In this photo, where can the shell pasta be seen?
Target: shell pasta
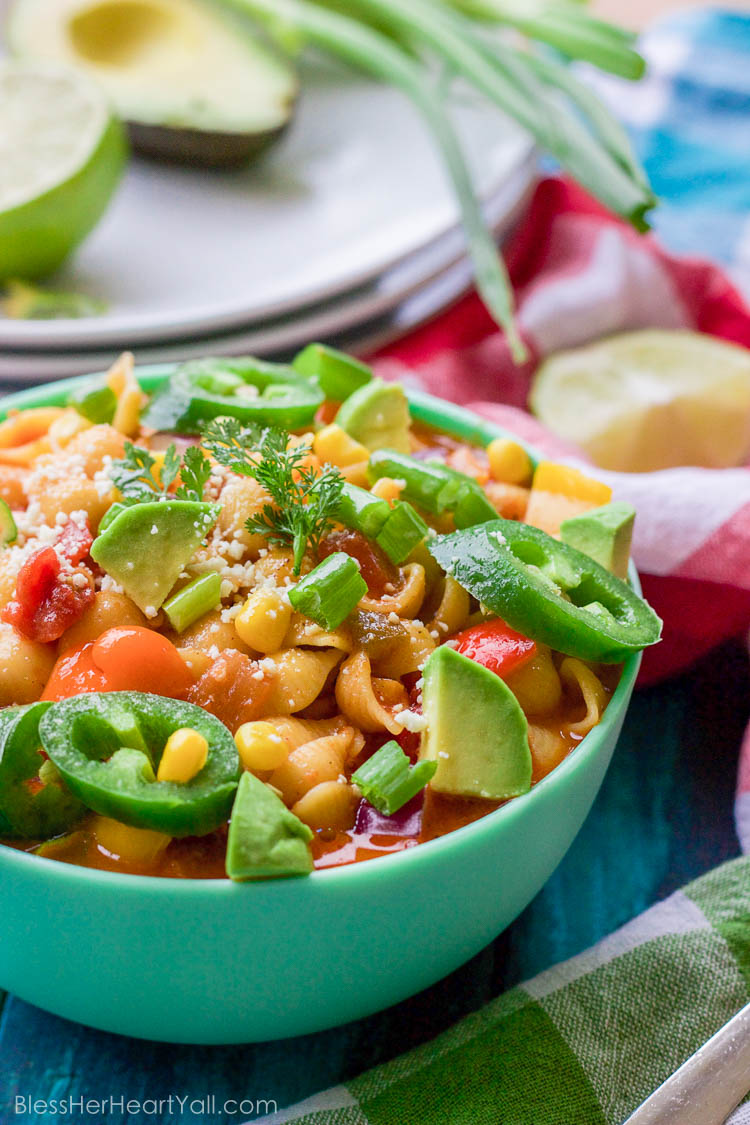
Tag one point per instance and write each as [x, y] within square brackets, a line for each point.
[241, 595]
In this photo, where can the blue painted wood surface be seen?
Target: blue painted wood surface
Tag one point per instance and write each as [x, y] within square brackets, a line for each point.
[664, 815]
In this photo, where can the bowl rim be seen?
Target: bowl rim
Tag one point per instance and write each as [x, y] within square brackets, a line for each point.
[462, 423]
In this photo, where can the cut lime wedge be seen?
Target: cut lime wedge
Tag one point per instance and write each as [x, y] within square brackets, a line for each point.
[61, 156]
[650, 400]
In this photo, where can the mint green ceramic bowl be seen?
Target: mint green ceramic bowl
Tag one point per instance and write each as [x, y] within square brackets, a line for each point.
[209, 961]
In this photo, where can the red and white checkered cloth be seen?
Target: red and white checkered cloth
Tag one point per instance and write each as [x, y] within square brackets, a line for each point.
[580, 274]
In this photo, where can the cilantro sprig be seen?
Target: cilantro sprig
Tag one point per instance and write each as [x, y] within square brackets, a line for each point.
[303, 501]
[134, 476]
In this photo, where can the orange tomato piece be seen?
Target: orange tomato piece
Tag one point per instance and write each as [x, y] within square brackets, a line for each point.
[126, 658]
[133, 658]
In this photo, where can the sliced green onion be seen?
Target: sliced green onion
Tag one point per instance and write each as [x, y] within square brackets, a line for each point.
[192, 601]
[468, 501]
[8, 529]
[338, 375]
[424, 484]
[330, 592]
[565, 26]
[388, 780]
[361, 511]
[402, 532]
[435, 487]
[97, 404]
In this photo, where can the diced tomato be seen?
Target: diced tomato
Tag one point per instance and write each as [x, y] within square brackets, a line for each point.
[233, 689]
[409, 742]
[126, 658]
[47, 603]
[377, 569]
[495, 645]
[37, 578]
[74, 542]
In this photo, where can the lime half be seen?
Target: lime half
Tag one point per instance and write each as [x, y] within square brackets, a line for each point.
[61, 156]
[650, 400]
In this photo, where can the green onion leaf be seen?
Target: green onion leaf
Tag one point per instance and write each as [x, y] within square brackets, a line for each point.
[402, 532]
[361, 511]
[388, 780]
[330, 592]
[192, 601]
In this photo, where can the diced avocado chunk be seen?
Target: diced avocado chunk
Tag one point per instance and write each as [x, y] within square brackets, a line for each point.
[377, 415]
[8, 529]
[265, 839]
[146, 547]
[604, 534]
[338, 375]
[476, 730]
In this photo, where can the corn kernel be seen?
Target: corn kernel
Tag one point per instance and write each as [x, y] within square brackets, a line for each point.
[134, 845]
[387, 488]
[261, 747]
[509, 461]
[334, 445]
[184, 756]
[264, 619]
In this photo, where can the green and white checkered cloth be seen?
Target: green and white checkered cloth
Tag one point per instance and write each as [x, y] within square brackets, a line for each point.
[583, 1043]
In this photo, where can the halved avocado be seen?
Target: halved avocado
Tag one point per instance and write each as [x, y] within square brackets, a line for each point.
[193, 84]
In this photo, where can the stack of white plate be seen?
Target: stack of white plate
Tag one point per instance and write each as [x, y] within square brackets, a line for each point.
[347, 232]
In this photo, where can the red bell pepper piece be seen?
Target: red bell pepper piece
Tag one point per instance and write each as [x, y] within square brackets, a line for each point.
[495, 645]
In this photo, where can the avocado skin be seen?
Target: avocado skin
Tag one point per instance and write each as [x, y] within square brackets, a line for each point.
[265, 839]
[199, 147]
[476, 730]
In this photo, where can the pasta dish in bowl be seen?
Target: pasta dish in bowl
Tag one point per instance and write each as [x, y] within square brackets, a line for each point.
[261, 623]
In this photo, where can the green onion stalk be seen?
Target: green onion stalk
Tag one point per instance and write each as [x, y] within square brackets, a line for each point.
[399, 42]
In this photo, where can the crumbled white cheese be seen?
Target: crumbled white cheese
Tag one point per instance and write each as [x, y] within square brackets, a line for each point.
[411, 721]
